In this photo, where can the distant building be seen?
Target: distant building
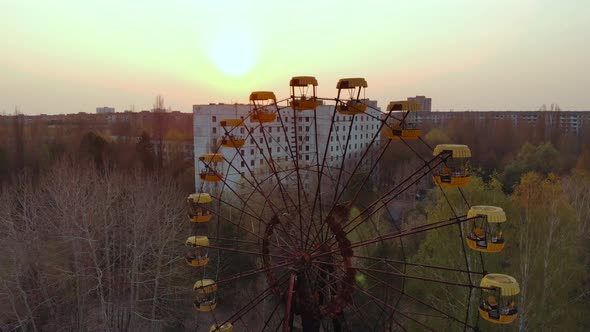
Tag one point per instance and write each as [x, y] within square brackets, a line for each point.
[103, 110]
[425, 103]
[574, 122]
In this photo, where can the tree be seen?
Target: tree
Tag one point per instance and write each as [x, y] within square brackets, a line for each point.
[145, 150]
[94, 147]
[548, 255]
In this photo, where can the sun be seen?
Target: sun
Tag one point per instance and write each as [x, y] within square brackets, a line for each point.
[233, 53]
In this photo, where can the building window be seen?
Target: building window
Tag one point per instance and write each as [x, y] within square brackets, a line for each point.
[251, 140]
[307, 148]
[261, 140]
[252, 162]
[307, 119]
[306, 128]
[300, 128]
[243, 163]
[214, 130]
[307, 138]
[306, 157]
[251, 151]
[241, 130]
[242, 152]
[214, 119]
[278, 149]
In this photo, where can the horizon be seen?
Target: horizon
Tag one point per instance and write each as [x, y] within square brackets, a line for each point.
[71, 57]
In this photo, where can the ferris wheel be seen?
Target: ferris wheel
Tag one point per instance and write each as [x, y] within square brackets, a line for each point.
[292, 228]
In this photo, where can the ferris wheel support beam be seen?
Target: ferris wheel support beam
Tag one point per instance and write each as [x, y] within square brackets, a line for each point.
[287, 322]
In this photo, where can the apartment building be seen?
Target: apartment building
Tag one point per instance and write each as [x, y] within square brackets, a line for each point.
[307, 136]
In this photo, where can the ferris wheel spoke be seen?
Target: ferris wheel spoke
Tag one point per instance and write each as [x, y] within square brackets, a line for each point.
[360, 161]
[438, 267]
[288, 243]
[381, 302]
[405, 275]
[324, 158]
[244, 228]
[342, 165]
[385, 198]
[389, 286]
[242, 251]
[252, 272]
[271, 315]
[395, 191]
[411, 231]
[254, 302]
[364, 317]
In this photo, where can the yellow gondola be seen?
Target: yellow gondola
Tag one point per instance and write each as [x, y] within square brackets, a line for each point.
[199, 254]
[499, 307]
[403, 129]
[264, 106]
[232, 139]
[302, 101]
[454, 173]
[226, 327]
[211, 161]
[205, 295]
[354, 105]
[197, 207]
[486, 235]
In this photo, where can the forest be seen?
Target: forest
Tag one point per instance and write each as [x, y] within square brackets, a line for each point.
[92, 230]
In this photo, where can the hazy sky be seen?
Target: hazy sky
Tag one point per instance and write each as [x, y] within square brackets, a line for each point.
[67, 56]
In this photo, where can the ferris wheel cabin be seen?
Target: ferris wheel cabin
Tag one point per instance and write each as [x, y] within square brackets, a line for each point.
[454, 171]
[212, 171]
[402, 129]
[205, 299]
[353, 105]
[498, 302]
[264, 106]
[231, 138]
[199, 254]
[301, 86]
[197, 207]
[486, 234]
